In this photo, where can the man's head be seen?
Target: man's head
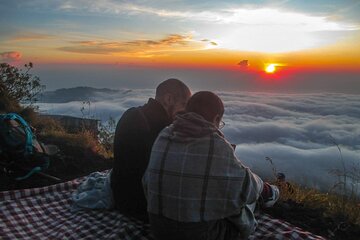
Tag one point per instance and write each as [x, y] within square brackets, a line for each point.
[208, 105]
[173, 95]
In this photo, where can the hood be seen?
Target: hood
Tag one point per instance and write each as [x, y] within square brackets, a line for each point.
[193, 125]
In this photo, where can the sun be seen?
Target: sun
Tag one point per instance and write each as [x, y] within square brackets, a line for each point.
[271, 68]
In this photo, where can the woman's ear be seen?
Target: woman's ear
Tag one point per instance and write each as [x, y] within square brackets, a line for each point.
[217, 120]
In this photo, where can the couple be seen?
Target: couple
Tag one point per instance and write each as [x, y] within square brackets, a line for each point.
[174, 168]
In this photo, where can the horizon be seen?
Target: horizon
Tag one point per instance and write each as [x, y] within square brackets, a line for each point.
[196, 90]
[262, 46]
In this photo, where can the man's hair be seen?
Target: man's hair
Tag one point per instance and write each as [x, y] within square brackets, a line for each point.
[174, 87]
[207, 104]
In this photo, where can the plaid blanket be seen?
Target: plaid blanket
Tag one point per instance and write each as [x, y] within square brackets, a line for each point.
[44, 213]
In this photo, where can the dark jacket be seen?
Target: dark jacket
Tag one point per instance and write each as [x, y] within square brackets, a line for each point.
[135, 134]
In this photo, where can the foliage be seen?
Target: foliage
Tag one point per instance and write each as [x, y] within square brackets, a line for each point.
[106, 134]
[82, 144]
[348, 179]
[86, 109]
[45, 124]
[106, 129]
[7, 104]
[19, 85]
[342, 210]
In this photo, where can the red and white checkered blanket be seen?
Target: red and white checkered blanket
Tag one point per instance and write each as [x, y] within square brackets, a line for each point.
[44, 213]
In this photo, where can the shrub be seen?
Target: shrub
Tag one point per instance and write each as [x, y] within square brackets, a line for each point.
[18, 84]
[75, 144]
[342, 210]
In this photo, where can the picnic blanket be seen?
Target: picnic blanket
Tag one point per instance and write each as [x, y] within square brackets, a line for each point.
[45, 213]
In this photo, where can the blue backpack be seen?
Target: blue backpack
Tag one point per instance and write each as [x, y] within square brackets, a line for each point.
[21, 155]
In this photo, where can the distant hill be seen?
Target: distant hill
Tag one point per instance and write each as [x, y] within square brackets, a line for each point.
[64, 95]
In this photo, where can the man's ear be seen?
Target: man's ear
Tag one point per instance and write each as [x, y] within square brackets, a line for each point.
[168, 99]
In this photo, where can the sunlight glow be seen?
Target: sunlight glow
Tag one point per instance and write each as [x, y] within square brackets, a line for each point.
[267, 30]
[271, 68]
[271, 30]
[194, 35]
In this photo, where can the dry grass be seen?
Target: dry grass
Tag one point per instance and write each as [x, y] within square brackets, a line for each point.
[330, 203]
[51, 131]
[80, 142]
[337, 206]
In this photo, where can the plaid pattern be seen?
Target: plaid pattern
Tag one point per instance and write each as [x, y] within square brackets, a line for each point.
[44, 213]
[193, 176]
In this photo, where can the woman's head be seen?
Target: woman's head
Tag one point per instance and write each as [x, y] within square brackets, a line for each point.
[208, 105]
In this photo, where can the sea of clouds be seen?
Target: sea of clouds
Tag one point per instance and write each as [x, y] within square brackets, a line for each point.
[307, 136]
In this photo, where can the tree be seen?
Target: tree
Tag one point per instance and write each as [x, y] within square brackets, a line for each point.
[18, 84]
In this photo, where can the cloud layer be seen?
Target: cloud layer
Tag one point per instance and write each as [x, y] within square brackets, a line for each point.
[270, 26]
[240, 27]
[10, 56]
[181, 42]
[298, 131]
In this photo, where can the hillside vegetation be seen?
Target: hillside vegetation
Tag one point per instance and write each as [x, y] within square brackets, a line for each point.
[80, 153]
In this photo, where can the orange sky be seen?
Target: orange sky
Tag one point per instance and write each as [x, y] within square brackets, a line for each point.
[340, 55]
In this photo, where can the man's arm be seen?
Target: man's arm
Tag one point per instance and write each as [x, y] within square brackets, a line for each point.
[144, 182]
[130, 143]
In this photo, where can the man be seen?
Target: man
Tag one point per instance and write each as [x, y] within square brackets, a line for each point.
[135, 134]
[195, 186]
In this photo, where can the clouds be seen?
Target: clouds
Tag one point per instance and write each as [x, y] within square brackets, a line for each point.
[182, 33]
[237, 27]
[285, 118]
[174, 42]
[241, 26]
[10, 56]
[295, 130]
[308, 167]
[231, 13]
[102, 105]
[244, 63]
[30, 36]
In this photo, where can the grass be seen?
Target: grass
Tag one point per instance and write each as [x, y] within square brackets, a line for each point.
[50, 131]
[83, 141]
[338, 214]
[330, 203]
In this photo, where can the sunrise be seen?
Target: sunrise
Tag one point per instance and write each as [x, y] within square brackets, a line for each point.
[117, 32]
[179, 119]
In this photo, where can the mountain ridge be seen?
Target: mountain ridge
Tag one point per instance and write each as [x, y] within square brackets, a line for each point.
[81, 93]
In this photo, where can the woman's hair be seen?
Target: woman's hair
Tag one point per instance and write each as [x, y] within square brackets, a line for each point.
[207, 104]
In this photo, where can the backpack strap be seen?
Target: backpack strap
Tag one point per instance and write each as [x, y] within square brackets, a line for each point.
[29, 147]
[31, 172]
[29, 133]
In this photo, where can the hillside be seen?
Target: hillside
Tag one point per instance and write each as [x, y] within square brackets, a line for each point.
[64, 95]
